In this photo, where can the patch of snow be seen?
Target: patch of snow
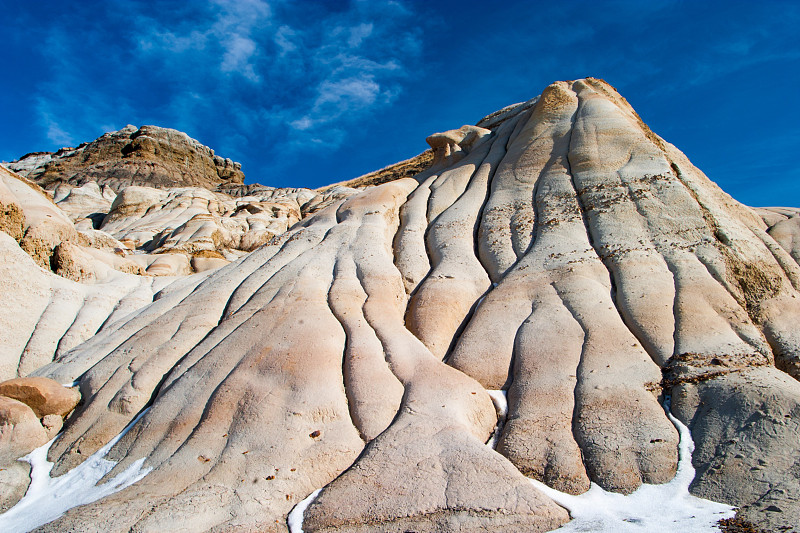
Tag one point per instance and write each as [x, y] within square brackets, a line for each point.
[500, 400]
[48, 498]
[480, 300]
[662, 508]
[295, 519]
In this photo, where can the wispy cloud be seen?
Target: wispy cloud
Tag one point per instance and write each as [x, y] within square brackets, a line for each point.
[283, 85]
[285, 38]
[227, 34]
[278, 77]
[239, 53]
[55, 133]
[341, 97]
[358, 34]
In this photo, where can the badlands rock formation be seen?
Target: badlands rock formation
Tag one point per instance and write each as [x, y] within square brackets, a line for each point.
[559, 251]
[147, 230]
[149, 155]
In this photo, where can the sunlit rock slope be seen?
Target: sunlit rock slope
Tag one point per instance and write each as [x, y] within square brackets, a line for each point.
[559, 250]
[149, 155]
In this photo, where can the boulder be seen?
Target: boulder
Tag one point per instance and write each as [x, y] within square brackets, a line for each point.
[43, 395]
[20, 430]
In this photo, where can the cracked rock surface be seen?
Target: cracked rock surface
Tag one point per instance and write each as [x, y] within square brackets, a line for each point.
[561, 252]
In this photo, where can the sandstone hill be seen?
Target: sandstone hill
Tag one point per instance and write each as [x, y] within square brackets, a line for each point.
[559, 252]
[150, 156]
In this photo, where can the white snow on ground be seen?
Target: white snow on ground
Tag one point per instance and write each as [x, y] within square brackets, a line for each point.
[48, 498]
[295, 519]
[663, 508]
[500, 400]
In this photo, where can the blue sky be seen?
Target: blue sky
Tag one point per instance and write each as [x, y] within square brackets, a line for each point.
[309, 93]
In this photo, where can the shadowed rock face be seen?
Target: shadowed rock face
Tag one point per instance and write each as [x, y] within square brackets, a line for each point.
[158, 157]
[561, 252]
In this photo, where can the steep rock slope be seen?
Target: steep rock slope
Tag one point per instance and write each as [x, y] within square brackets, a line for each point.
[150, 155]
[45, 315]
[559, 251]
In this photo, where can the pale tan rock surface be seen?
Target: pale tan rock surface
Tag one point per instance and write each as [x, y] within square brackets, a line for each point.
[193, 219]
[745, 427]
[784, 227]
[560, 251]
[45, 315]
[20, 430]
[86, 205]
[44, 225]
[14, 481]
[155, 192]
[43, 395]
[45, 232]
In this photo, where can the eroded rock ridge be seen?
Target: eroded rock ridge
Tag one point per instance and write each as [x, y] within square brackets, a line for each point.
[149, 155]
[559, 251]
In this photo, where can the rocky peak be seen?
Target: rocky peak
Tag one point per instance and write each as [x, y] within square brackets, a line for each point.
[149, 155]
[552, 299]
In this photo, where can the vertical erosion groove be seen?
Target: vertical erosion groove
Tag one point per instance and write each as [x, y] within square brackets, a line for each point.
[439, 306]
[409, 249]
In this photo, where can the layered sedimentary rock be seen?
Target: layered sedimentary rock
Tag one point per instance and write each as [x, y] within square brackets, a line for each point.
[84, 230]
[559, 251]
[45, 315]
[149, 155]
[198, 224]
[159, 192]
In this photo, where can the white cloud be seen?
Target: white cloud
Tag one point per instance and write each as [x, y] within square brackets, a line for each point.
[234, 28]
[336, 99]
[167, 40]
[56, 134]
[356, 62]
[238, 55]
[285, 39]
[228, 35]
[302, 124]
[358, 34]
[271, 72]
[348, 94]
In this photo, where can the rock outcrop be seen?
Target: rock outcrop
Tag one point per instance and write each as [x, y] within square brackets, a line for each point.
[44, 396]
[402, 169]
[559, 251]
[32, 412]
[150, 155]
[45, 315]
[83, 231]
